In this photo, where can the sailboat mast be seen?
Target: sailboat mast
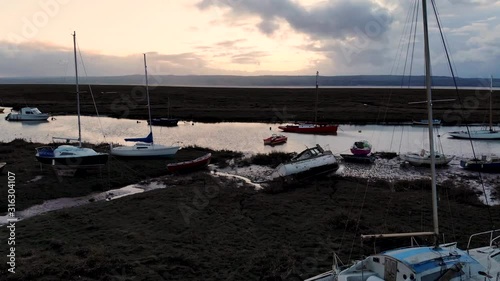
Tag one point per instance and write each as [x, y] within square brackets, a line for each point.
[316, 104]
[491, 102]
[77, 92]
[147, 94]
[429, 116]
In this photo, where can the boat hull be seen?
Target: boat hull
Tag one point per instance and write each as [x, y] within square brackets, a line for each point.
[275, 140]
[144, 150]
[165, 122]
[363, 159]
[417, 160]
[19, 117]
[99, 159]
[310, 129]
[310, 167]
[481, 166]
[476, 135]
[360, 152]
[190, 166]
[435, 122]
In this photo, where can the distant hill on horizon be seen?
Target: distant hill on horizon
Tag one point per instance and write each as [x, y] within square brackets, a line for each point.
[259, 81]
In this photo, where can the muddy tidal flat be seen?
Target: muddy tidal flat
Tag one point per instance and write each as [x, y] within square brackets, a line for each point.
[211, 226]
[341, 105]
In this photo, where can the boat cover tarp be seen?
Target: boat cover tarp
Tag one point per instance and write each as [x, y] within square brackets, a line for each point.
[148, 139]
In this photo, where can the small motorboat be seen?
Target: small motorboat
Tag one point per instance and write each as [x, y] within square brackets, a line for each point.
[485, 164]
[27, 114]
[189, 166]
[275, 139]
[361, 148]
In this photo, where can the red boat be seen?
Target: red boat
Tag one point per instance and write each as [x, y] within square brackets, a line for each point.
[191, 165]
[275, 139]
[311, 128]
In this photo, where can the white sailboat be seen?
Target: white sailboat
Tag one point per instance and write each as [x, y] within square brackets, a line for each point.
[424, 263]
[145, 147]
[70, 155]
[487, 134]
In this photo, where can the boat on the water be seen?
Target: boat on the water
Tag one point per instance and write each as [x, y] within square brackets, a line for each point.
[275, 139]
[189, 166]
[165, 122]
[361, 148]
[439, 262]
[313, 161]
[315, 127]
[487, 134]
[69, 155]
[363, 159]
[27, 114]
[485, 164]
[144, 147]
[310, 128]
[425, 122]
[424, 158]
[2, 165]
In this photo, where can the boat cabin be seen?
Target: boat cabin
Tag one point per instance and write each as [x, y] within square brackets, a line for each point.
[416, 264]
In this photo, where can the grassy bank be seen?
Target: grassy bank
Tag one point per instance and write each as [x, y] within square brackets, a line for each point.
[35, 184]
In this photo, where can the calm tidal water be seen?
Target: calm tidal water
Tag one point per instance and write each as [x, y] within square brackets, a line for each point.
[245, 137]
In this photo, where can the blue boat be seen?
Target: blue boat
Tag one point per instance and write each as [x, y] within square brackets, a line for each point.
[165, 122]
[485, 164]
[425, 122]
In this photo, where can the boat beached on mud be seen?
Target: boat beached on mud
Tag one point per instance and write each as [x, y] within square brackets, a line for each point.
[313, 161]
[191, 165]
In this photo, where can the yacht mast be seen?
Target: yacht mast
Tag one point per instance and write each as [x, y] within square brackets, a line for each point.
[491, 102]
[316, 104]
[147, 95]
[429, 117]
[77, 92]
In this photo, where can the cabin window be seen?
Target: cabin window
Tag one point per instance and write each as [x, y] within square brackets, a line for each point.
[412, 277]
[404, 276]
[67, 153]
[28, 112]
[377, 260]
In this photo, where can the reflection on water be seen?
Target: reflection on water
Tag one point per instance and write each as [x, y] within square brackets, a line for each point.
[245, 137]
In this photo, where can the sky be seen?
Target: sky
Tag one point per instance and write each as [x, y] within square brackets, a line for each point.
[245, 37]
